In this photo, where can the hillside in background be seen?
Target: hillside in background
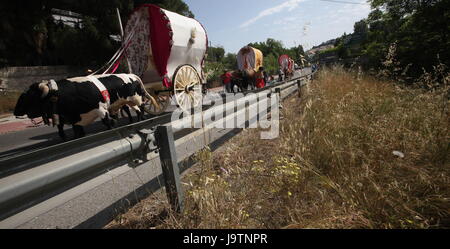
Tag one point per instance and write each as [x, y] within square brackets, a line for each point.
[411, 36]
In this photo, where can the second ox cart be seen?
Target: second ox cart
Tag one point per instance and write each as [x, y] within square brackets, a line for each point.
[250, 62]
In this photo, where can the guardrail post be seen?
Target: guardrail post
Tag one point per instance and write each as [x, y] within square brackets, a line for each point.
[169, 164]
[278, 93]
[299, 85]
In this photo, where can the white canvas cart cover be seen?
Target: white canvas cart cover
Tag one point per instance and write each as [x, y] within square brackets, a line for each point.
[249, 58]
[283, 61]
[291, 64]
[162, 41]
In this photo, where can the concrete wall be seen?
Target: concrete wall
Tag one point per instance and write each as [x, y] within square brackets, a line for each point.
[19, 78]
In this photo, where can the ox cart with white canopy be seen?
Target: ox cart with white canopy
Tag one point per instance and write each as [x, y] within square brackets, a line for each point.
[167, 51]
[249, 59]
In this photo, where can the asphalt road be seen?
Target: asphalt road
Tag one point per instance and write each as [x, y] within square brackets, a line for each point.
[42, 136]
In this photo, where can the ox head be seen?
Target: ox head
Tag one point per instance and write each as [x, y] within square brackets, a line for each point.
[248, 73]
[33, 102]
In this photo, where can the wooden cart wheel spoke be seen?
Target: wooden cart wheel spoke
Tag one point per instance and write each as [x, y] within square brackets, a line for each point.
[183, 77]
[191, 96]
[192, 83]
[187, 87]
[182, 98]
[180, 94]
[181, 81]
[189, 76]
[179, 85]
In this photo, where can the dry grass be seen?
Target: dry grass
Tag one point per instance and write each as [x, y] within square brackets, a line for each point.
[333, 165]
[8, 101]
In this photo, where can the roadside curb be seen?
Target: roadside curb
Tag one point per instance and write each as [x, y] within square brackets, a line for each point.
[12, 124]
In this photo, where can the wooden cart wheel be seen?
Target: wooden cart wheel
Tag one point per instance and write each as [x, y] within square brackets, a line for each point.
[187, 87]
[162, 101]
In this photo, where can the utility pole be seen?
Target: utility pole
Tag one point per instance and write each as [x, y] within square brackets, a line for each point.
[210, 49]
[123, 39]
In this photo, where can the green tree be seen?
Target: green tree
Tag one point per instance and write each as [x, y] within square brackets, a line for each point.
[271, 64]
[272, 49]
[419, 28]
[215, 54]
[230, 61]
[31, 37]
[178, 6]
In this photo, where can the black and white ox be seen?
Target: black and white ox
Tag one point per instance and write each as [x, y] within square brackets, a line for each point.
[80, 101]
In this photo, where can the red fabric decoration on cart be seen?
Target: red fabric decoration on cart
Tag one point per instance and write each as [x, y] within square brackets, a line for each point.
[161, 40]
[167, 82]
[283, 58]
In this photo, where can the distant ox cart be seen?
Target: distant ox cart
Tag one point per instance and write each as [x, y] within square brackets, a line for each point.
[286, 65]
[249, 60]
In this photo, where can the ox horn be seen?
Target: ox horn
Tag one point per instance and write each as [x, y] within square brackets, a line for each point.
[153, 100]
[44, 88]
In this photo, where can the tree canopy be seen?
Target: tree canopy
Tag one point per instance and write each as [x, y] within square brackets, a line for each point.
[272, 49]
[416, 32]
[30, 36]
[217, 61]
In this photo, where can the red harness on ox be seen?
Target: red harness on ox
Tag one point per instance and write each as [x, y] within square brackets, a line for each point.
[105, 95]
[101, 88]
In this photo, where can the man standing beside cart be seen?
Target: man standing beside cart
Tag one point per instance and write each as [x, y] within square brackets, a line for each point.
[266, 77]
[280, 75]
[260, 79]
[226, 80]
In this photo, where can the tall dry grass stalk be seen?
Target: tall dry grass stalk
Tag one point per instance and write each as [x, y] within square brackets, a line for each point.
[438, 77]
[333, 165]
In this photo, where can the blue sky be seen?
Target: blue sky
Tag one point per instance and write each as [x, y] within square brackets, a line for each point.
[234, 23]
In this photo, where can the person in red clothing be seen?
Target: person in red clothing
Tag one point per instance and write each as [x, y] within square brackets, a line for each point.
[260, 83]
[226, 80]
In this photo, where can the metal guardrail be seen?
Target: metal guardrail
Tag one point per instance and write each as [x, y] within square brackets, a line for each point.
[37, 157]
[28, 179]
